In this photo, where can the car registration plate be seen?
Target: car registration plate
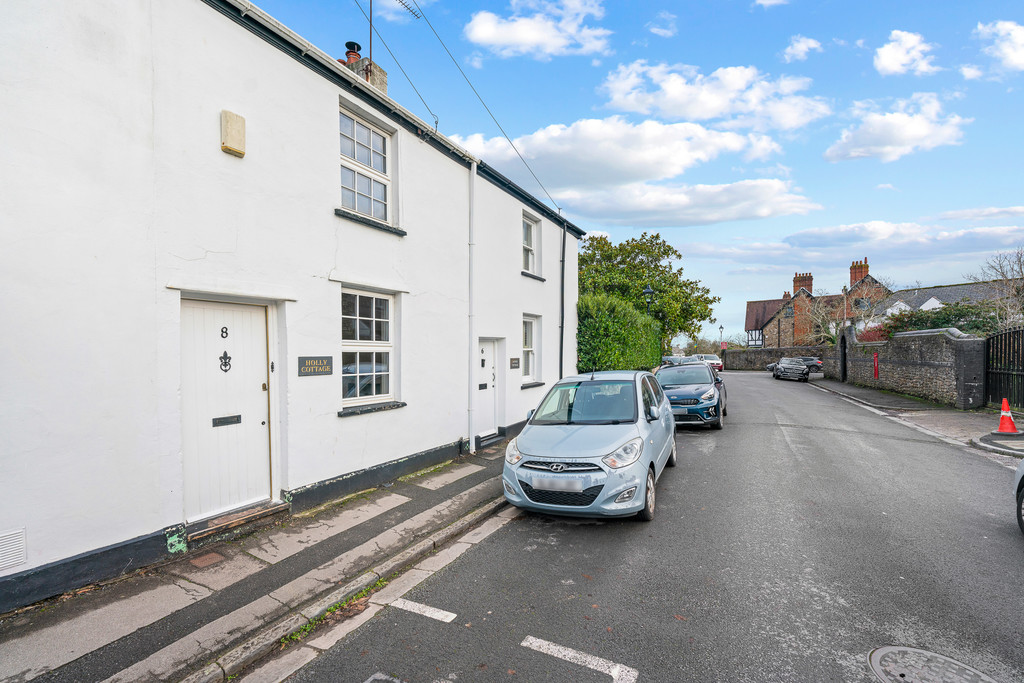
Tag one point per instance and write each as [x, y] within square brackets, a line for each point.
[561, 484]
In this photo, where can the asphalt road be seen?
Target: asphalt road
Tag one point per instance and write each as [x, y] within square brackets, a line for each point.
[785, 547]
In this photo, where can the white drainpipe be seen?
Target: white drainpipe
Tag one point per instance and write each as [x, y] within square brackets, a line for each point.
[472, 312]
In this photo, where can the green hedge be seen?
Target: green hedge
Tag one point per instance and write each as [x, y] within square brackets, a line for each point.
[612, 335]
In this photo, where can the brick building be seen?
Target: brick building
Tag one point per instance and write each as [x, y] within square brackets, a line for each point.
[797, 318]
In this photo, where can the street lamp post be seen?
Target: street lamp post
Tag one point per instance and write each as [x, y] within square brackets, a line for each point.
[721, 329]
[648, 297]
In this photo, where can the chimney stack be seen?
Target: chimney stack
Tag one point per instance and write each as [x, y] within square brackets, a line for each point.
[353, 53]
[785, 296]
[858, 270]
[805, 280]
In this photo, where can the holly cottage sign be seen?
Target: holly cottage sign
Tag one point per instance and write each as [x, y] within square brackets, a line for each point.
[315, 365]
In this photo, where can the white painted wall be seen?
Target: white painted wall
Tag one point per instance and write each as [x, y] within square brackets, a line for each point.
[118, 201]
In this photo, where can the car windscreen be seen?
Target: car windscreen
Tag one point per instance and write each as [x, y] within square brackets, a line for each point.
[685, 374]
[792, 361]
[588, 402]
[712, 359]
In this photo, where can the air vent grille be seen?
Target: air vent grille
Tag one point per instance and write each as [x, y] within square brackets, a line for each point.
[12, 548]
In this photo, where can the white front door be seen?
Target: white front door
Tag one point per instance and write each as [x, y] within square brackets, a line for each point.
[485, 397]
[225, 407]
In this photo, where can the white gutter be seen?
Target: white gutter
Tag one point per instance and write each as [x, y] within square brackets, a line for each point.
[472, 313]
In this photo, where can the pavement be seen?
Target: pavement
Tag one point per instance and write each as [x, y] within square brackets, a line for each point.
[255, 609]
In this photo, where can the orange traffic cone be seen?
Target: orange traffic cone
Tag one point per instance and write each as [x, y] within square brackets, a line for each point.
[1006, 425]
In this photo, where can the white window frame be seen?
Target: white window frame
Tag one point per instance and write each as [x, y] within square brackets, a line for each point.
[377, 178]
[531, 245]
[531, 357]
[367, 369]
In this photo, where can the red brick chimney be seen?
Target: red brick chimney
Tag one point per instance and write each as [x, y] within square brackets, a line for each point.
[805, 280]
[785, 296]
[858, 270]
[353, 52]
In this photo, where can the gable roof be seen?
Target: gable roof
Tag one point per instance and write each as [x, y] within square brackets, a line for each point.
[760, 312]
[972, 292]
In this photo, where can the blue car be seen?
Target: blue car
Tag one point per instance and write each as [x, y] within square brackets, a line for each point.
[595, 447]
[696, 393]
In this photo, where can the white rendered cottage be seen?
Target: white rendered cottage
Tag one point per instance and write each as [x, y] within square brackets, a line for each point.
[237, 276]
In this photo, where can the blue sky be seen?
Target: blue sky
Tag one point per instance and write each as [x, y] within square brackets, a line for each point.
[760, 137]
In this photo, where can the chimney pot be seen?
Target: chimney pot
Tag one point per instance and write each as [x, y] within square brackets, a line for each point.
[352, 56]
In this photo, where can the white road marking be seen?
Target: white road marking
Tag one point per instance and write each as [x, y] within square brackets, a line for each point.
[620, 673]
[425, 610]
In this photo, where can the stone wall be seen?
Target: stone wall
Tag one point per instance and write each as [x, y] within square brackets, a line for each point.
[756, 359]
[945, 366]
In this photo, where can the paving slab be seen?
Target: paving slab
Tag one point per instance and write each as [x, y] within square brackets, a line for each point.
[44, 649]
[284, 542]
[449, 475]
[216, 574]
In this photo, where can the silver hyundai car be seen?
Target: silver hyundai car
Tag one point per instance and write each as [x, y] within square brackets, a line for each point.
[596, 446]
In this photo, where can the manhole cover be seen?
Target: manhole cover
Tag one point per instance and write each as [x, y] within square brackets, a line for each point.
[910, 665]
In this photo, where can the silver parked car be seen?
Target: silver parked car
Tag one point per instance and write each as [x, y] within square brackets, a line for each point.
[1018, 491]
[596, 446]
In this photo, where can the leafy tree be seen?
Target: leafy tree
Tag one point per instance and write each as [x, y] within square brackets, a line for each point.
[623, 270]
[980, 319]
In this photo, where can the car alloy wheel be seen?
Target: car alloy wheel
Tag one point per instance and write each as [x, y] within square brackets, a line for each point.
[672, 457]
[720, 422]
[647, 514]
[1020, 510]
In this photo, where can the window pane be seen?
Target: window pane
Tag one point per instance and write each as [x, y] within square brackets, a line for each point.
[348, 386]
[366, 385]
[527, 259]
[378, 163]
[363, 204]
[527, 363]
[527, 234]
[348, 363]
[365, 330]
[363, 184]
[380, 309]
[366, 362]
[382, 385]
[348, 304]
[346, 124]
[348, 147]
[527, 334]
[348, 328]
[362, 134]
[380, 211]
[377, 142]
[348, 199]
[348, 177]
[383, 361]
[366, 307]
[380, 191]
[380, 330]
[363, 154]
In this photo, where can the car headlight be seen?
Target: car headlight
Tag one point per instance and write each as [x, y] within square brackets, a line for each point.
[708, 395]
[626, 454]
[512, 454]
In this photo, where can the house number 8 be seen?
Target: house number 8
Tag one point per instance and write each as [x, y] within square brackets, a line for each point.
[223, 333]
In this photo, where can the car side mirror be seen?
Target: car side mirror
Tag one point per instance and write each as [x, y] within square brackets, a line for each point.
[653, 413]
[529, 415]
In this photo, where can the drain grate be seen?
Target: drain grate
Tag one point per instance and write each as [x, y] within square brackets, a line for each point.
[911, 665]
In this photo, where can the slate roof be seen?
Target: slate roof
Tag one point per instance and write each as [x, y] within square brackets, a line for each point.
[760, 312]
[972, 292]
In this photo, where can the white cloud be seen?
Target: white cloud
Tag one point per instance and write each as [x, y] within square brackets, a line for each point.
[878, 240]
[613, 151]
[739, 96]
[983, 214]
[665, 26]
[647, 205]
[616, 172]
[771, 3]
[798, 48]
[551, 29]
[1007, 43]
[905, 52]
[913, 125]
[885, 186]
[970, 72]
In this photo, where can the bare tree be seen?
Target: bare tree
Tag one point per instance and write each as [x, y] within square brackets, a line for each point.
[1004, 273]
[830, 313]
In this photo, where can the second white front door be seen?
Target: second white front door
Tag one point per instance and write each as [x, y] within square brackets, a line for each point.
[485, 401]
